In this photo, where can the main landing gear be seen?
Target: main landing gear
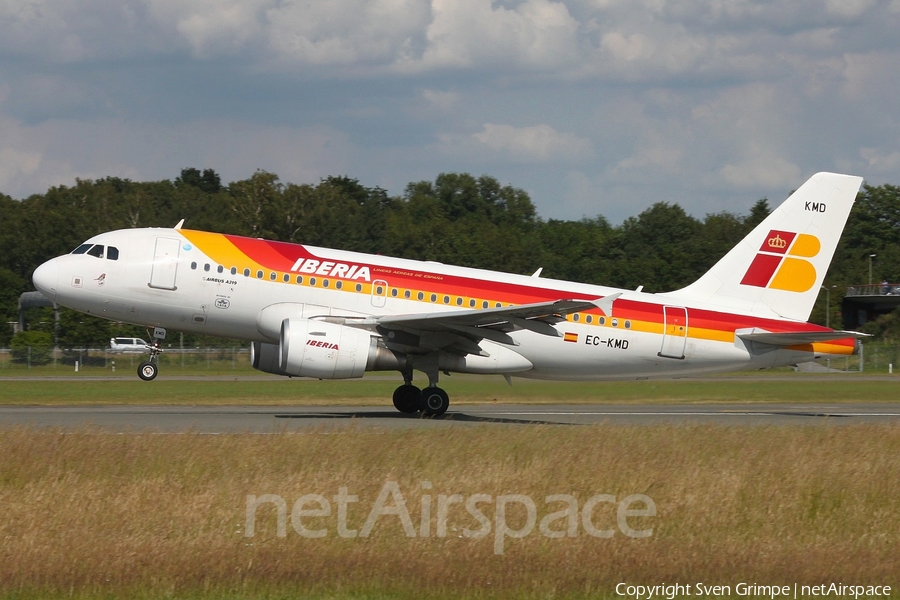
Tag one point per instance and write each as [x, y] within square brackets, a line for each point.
[431, 402]
[149, 369]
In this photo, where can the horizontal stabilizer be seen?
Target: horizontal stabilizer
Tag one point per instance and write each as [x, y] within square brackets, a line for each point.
[794, 338]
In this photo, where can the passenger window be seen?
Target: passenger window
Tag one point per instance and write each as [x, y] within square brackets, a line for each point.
[259, 274]
[112, 253]
[234, 270]
[220, 269]
[96, 250]
[81, 249]
[206, 267]
[193, 265]
[246, 272]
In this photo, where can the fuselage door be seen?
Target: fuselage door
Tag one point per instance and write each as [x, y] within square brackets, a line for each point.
[379, 293]
[165, 263]
[674, 332]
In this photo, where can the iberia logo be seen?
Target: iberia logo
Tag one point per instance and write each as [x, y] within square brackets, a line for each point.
[780, 263]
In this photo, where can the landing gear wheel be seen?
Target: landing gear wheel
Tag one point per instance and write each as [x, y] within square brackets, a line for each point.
[147, 371]
[433, 402]
[406, 398]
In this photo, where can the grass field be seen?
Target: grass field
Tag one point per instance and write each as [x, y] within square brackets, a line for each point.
[462, 389]
[92, 515]
[87, 514]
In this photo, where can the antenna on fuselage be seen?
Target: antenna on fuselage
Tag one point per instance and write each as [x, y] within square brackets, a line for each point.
[180, 223]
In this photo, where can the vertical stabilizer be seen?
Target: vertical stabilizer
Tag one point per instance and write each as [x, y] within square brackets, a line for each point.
[778, 268]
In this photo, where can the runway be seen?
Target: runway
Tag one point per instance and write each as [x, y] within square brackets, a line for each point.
[264, 420]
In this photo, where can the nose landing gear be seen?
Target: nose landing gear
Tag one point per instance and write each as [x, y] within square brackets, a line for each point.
[149, 369]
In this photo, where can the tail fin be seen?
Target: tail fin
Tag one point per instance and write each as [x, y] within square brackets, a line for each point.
[778, 268]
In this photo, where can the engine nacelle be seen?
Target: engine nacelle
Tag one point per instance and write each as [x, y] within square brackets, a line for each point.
[324, 350]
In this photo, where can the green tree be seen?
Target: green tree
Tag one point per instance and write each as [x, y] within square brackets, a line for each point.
[32, 347]
[78, 330]
[208, 181]
[659, 249]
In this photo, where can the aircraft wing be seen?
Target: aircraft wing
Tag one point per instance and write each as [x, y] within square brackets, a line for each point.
[793, 338]
[460, 331]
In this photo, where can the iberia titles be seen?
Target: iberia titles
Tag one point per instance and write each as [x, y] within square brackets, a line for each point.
[327, 268]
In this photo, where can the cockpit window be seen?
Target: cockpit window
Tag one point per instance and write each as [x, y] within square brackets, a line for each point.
[81, 249]
[96, 250]
[112, 253]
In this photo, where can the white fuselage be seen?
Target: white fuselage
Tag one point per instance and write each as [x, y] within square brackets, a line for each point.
[184, 288]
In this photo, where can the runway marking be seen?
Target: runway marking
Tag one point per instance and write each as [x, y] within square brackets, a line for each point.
[698, 414]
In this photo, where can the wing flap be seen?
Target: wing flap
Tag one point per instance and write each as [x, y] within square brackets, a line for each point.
[465, 328]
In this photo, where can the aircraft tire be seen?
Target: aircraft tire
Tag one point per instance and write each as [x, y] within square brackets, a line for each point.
[433, 402]
[406, 399]
[147, 371]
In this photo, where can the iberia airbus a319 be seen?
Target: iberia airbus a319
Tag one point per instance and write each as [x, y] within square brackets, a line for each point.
[331, 314]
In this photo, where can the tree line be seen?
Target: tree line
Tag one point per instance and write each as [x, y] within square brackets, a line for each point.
[457, 219]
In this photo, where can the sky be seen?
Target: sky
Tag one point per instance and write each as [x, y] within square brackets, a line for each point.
[594, 107]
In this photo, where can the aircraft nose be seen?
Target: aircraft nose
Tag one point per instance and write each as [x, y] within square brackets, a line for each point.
[45, 278]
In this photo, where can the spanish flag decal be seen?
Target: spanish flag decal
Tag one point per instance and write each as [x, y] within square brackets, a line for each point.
[570, 337]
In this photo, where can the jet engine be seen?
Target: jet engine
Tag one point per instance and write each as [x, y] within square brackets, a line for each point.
[327, 350]
[324, 350]
[312, 348]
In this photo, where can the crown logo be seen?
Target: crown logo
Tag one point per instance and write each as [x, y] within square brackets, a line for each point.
[777, 242]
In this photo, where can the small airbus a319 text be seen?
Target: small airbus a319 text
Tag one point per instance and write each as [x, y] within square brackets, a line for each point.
[331, 314]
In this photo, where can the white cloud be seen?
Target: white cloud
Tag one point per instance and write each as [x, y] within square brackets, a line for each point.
[635, 40]
[761, 171]
[473, 33]
[540, 143]
[442, 101]
[36, 157]
[344, 32]
[881, 162]
[702, 102]
[16, 165]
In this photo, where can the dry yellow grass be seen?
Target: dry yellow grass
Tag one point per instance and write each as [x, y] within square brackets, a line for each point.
[91, 514]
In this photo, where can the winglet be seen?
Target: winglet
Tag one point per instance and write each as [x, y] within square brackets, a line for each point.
[538, 272]
[180, 223]
[606, 303]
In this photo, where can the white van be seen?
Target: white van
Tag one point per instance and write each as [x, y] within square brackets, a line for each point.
[126, 344]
